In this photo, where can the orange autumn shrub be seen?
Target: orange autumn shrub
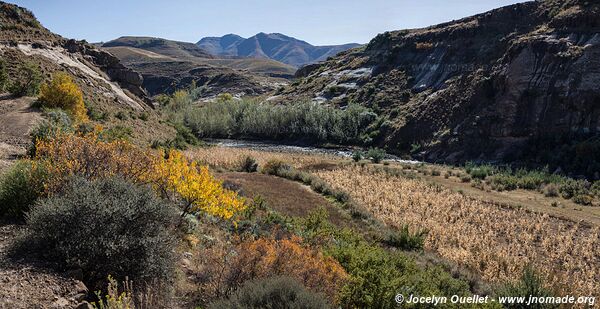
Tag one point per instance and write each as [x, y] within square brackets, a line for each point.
[171, 176]
[63, 93]
[84, 155]
[268, 257]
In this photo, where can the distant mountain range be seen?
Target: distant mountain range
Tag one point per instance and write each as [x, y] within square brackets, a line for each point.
[170, 65]
[274, 46]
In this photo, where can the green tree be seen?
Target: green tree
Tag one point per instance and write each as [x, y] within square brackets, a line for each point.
[3, 76]
[28, 81]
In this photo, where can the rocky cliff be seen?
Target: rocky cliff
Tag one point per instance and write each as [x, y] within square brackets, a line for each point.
[519, 83]
[23, 38]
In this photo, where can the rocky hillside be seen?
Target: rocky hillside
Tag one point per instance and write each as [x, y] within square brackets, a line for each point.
[519, 83]
[23, 38]
[170, 65]
[109, 88]
[274, 46]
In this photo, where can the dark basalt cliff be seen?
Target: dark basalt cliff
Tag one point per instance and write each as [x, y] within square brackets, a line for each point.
[519, 83]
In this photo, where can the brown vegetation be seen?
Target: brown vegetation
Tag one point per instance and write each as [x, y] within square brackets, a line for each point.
[495, 241]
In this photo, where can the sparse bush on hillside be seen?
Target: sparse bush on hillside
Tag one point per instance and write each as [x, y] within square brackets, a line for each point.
[4, 81]
[96, 115]
[103, 227]
[63, 93]
[56, 122]
[276, 292]
[183, 139]
[20, 187]
[116, 133]
[27, 82]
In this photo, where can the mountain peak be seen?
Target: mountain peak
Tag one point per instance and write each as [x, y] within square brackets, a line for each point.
[276, 46]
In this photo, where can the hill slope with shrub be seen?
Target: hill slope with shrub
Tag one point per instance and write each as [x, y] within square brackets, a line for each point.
[31, 55]
[516, 84]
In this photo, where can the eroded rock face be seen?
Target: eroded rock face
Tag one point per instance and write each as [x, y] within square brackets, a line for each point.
[111, 65]
[483, 87]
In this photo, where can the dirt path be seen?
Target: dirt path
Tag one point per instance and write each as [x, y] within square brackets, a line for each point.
[25, 285]
[16, 121]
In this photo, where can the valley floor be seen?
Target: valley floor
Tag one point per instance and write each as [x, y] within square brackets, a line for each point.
[558, 237]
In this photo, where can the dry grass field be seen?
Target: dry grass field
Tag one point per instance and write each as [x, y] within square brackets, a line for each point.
[230, 158]
[497, 242]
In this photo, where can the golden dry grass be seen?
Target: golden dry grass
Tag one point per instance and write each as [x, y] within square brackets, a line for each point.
[230, 158]
[497, 242]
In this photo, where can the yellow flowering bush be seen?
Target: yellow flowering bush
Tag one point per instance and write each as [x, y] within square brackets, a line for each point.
[172, 175]
[195, 185]
[63, 93]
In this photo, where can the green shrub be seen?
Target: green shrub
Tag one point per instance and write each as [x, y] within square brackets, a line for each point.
[357, 156]
[501, 182]
[583, 199]
[96, 115]
[144, 116]
[275, 292]
[377, 275]
[435, 172]
[405, 239]
[4, 81]
[249, 165]
[595, 188]
[572, 187]
[104, 227]
[20, 187]
[376, 154]
[275, 167]
[531, 284]
[27, 82]
[116, 133]
[465, 178]
[479, 171]
[56, 122]
[121, 115]
[183, 139]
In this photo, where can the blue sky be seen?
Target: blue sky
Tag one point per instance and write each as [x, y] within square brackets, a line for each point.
[318, 22]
